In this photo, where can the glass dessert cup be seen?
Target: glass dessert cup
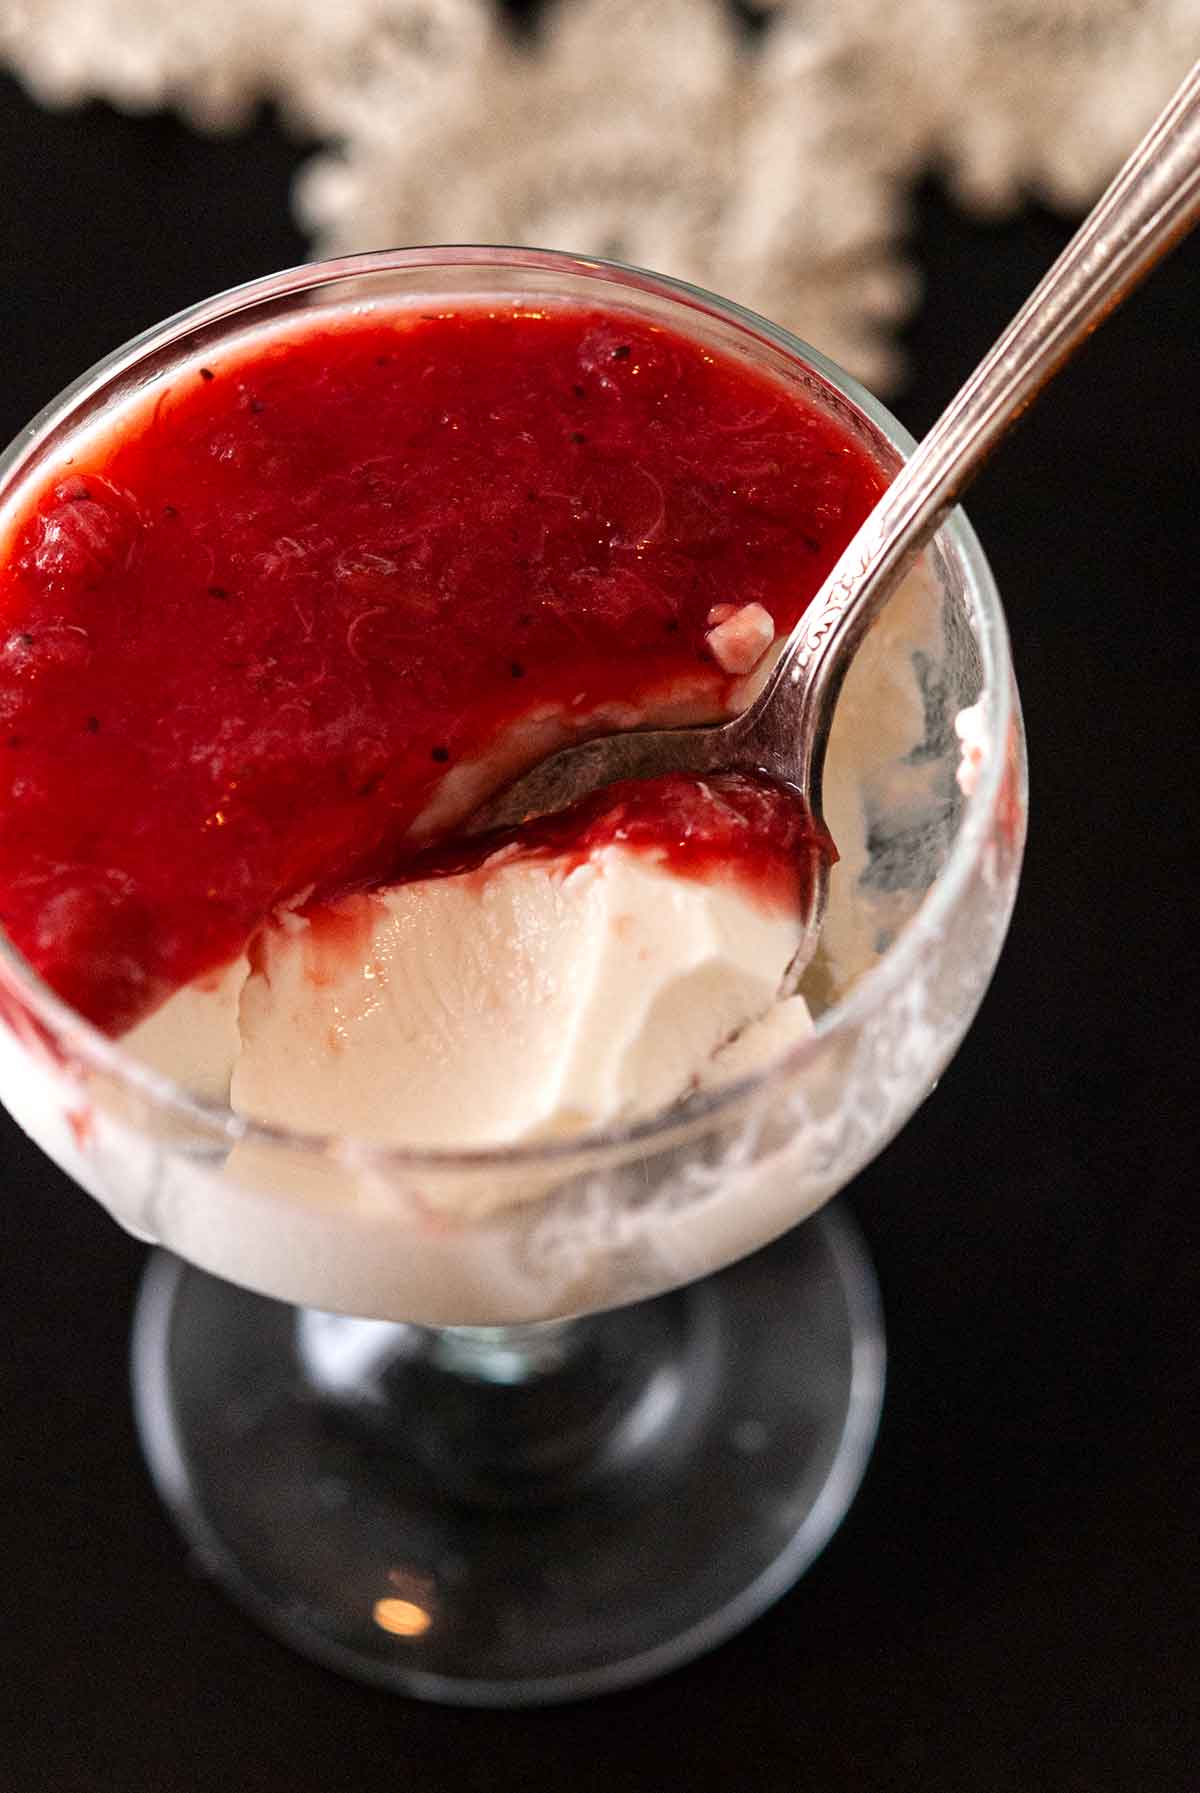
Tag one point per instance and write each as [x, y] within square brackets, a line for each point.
[512, 1426]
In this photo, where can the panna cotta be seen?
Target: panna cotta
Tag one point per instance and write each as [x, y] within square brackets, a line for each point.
[299, 608]
[270, 627]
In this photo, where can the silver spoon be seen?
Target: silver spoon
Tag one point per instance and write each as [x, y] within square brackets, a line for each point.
[1151, 204]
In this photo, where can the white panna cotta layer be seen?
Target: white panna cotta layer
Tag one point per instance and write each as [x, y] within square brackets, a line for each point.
[529, 999]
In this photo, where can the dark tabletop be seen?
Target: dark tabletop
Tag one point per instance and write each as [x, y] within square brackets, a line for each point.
[1013, 1602]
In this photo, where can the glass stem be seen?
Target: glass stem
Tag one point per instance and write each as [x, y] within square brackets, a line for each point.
[512, 1355]
[509, 1415]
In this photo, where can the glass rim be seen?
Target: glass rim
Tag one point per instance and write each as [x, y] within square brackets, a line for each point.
[81, 1042]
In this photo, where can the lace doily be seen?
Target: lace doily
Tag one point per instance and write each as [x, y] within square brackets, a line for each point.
[764, 152]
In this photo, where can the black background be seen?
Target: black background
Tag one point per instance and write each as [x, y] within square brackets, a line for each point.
[1013, 1602]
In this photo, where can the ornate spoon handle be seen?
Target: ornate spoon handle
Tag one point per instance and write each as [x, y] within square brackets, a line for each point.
[1153, 201]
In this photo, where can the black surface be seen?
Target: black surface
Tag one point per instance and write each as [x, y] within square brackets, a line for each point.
[1012, 1604]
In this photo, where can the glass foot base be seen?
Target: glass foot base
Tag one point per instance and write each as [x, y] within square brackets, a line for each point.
[464, 1518]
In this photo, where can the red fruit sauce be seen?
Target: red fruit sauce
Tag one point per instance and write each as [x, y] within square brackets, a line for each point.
[752, 828]
[244, 635]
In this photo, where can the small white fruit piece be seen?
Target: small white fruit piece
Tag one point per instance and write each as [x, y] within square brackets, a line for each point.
[739, 638]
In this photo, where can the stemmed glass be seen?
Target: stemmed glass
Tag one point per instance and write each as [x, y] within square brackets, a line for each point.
[513, 1426]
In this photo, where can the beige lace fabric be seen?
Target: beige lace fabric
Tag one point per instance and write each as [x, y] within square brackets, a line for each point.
[771, 164]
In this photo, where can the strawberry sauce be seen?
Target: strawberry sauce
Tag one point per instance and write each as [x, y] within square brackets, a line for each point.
[752, 829]
[245, 635]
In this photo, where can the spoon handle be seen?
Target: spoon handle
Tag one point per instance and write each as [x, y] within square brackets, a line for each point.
[1150, 204]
